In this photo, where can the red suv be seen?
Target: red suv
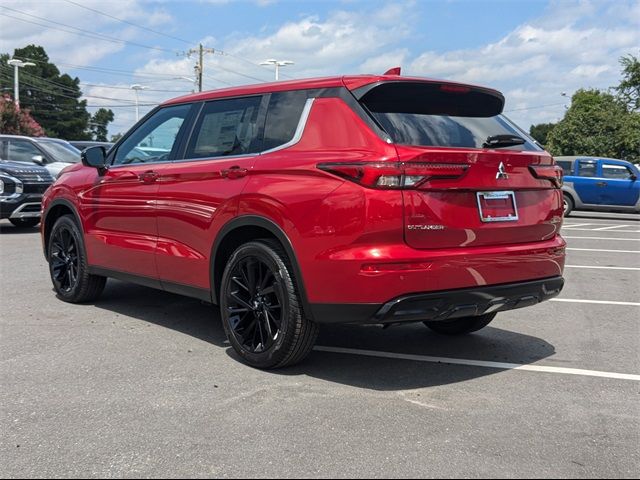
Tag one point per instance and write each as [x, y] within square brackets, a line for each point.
[357, 199]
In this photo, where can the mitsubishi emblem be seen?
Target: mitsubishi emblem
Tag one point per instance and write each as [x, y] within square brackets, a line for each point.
[502, 173]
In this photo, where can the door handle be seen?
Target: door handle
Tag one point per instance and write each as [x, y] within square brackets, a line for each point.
[234, 173]
[601, 184]
[149, 177]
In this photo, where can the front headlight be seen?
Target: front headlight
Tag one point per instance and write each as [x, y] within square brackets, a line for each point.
[10, 186]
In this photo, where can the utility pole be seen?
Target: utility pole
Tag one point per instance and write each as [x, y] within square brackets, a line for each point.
[199, 68]
[17, 64]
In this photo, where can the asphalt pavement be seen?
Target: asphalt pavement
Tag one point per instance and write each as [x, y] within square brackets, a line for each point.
[143, 383]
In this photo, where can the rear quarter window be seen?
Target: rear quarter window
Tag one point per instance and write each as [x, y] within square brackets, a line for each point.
[567, 166]
[283, 116]
[587, 168]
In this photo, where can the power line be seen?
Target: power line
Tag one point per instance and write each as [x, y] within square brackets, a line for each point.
[532, 108]
[80, 31]
[130, 23]
[119, 87]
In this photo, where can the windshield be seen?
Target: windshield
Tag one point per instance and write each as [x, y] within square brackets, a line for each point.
[61, 152]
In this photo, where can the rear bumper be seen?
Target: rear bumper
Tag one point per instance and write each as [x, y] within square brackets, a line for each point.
[443, 305]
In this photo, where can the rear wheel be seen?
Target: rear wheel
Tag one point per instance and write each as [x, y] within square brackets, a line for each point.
[68, 264]
[25, 222]
[261, 307]
[568, 204]
[461, 326]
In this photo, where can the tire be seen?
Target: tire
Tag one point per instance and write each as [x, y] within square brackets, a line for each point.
[25, 222]
[68, 264]
[568, 204]
[461, 326]
[261, 308]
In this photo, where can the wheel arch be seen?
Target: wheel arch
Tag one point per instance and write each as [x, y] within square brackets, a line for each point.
[241, 230]
[55, 210]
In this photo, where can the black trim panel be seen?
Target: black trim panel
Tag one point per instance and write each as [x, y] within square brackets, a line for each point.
[444, 305]
[178, 288]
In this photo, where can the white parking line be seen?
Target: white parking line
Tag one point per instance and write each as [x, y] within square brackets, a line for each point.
[599, 302]
[602, 238]
[602, 250]
[602, 268]
[479, 363]
[610, 228]
[570, 225]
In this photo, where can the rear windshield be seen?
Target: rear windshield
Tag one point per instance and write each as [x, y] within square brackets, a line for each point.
[432, 115]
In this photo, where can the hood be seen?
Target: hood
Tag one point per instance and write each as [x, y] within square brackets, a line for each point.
[25, 171]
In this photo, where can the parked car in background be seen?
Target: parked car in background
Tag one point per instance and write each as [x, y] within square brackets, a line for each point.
[362, 199]
[21, 189]
[595, 183]
[52, 153]
[82, 144]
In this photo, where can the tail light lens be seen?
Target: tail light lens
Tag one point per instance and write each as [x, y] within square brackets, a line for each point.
[394, 176]
[553, 173]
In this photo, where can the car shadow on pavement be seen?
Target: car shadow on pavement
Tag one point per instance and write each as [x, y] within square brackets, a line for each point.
[8, 229]
[202, 321]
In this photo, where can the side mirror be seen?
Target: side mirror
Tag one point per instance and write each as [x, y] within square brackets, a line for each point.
[95, 157]
[38, 160]
[633, 177]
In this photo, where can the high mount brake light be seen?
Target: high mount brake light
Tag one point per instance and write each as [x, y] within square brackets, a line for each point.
[454, 89]
[394, 176]
[553, 173]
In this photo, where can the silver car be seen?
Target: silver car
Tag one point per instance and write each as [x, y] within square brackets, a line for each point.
[52, 153]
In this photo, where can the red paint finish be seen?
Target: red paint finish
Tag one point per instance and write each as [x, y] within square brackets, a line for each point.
[353, 244]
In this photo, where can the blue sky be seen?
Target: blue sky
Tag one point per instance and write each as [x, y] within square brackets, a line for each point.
[531, 50]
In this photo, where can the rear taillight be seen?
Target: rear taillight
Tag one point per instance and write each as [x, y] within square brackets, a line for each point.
[554, 173]
[393, 176]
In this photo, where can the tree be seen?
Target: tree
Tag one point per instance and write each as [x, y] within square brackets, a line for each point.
[541, 131]
[99, 122]
[17, 121]
[629, 89]
[116, 137]
[52, 98]
[597, 124]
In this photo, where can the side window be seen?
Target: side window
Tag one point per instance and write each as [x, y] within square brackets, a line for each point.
[154, 140]
[619, 172]
[226, 127]
[566, 166]
[283, 116]
[587, 168]
[22, 151]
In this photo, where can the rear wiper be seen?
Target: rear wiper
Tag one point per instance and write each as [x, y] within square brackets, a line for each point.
[497, 141]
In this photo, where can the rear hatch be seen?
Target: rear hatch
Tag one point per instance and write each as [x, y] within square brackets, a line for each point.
[469, 176]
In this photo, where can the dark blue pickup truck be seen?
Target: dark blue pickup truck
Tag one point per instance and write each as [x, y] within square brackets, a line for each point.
[606, 184]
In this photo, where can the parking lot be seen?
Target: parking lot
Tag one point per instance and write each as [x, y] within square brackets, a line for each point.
[142, 383]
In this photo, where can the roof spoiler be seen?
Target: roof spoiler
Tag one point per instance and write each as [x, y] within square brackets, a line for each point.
[393, 71]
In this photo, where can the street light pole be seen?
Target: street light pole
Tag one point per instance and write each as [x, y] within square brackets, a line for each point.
[278, 64]
[17, 64]
[135, 88]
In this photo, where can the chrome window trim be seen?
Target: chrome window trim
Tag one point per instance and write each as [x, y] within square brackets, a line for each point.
[302, 123]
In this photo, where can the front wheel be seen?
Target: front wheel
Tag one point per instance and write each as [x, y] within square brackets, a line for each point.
[261, 307]
[461, 326]
[25, 222]
[68, 264]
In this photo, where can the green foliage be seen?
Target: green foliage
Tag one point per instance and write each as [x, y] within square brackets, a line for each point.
[52, 98]
[597, 124]
[116, 137]
[17, 121]
[541, 132]
[99, 124]
[629, 89]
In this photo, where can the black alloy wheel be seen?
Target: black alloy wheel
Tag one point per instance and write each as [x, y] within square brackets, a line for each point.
[254, 305]
[64, 260]
[261, 308]
[68, 263]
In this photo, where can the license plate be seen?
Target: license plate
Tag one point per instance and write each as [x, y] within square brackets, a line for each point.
[497, 206]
